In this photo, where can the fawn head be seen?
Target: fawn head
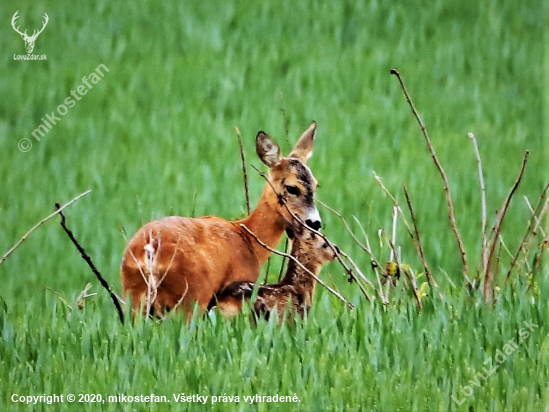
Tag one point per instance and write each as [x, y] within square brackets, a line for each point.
[310, 247]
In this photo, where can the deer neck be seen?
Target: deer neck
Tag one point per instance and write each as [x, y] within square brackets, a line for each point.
[296, 276]
[265, 222]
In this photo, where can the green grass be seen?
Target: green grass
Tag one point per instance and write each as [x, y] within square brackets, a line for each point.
[156, 137]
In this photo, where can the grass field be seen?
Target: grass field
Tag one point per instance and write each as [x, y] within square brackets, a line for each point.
[155, 137]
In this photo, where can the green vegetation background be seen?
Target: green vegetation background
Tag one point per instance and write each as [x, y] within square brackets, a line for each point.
[156, 137]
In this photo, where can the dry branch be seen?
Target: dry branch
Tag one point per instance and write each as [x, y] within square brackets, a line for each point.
[59, 296]
[88, 260]
[488, 281]
[447, 190]
[376, 267]
[286, 255]
[407, 272]
[366, 248]
[244, 171]
[530, 230]
[417, 242]
[395, 202]
[484, 245]
[281, 273]
[26, 235]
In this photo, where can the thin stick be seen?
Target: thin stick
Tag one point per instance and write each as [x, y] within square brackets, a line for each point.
[447, 191]
[538, 257]
[267, 270]
[534, 233]
[407, 272]
[415, 234]
[529, 231]
[484, 246]
[393, 255]
[182, 296]
[413, 283]
[82, 296]
[488, 290]
[26, 235]
[366, 248]
[283, 261]
[395, 202]
[244, 171]
[58, 295]
[537, 218]
[376, 267]
[417, 242]
[270, 249]
[88, 260]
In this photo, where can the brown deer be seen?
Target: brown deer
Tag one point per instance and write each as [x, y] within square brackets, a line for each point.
[177, 261]
[294, 292]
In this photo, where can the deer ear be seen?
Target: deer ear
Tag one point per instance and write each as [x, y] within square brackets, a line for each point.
[267, 150]
[303, 149]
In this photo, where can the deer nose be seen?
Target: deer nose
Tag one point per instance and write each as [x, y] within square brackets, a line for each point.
[314, 224]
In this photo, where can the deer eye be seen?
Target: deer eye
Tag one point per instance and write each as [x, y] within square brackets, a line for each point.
[293, 190]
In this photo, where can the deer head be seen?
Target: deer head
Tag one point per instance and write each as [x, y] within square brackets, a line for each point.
[29, 40]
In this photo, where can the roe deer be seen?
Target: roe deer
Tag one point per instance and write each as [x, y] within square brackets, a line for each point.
[179, 260]
[295, 291]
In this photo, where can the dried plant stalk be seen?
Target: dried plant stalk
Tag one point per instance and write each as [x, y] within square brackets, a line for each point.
[244, 169]
[26, 235]
[447, 190]
[417, 242]
[488, 280]
[484, 245]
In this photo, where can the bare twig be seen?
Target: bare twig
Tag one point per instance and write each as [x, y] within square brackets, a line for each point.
[182, 296]
[524, 244]
[417, 242]
[415, 234]
[395, 202]
[82, 296]
[376, 267]
[286, 255]
[59, 296]
[244, 171]
[539, 256]
[400, 268]
[393, 256]
[488, 281]
[537, 227]
[413, 283]
[283, 261]
[484, 246]
[447, 190]
[88, 260]
[26, 235]
[366, 248]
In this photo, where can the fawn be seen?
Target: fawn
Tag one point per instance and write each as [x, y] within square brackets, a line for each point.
[295, 290]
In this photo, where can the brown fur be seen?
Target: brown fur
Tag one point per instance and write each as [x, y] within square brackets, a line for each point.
[180, 260]
[296, 289]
